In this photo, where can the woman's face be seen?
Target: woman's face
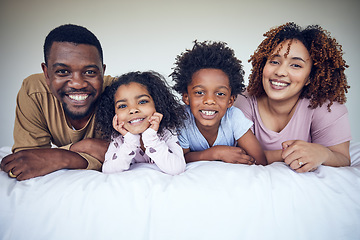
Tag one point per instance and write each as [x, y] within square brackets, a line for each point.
[284, 76]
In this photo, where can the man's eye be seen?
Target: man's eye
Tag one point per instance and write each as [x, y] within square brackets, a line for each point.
[90, 72]
[62, 72]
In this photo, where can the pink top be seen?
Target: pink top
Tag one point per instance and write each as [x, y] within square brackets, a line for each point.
[312, 125]
[164, 151]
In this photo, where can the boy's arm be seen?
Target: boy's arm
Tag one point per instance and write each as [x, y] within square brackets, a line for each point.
[252, 146]
[219, 153]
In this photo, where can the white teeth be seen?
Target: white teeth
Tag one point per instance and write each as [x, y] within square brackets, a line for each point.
[208, 113]
[136, 120]
[81, 97]
[279, 84]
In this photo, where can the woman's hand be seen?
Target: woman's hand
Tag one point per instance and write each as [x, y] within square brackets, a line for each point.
[119, 126]
[304, 157]
[155, 120]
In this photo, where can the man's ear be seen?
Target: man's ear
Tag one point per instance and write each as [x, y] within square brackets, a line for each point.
[45, 70]
[231, 101]
[185, 98]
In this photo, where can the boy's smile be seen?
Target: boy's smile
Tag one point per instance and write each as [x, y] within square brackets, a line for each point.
[209, 96]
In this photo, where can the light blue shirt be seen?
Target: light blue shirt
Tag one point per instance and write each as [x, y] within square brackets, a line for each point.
[233, 126]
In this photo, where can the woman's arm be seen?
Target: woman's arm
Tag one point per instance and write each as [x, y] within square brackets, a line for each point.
[303, 156]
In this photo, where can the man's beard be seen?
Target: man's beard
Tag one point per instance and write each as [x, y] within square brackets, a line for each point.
[77, 115]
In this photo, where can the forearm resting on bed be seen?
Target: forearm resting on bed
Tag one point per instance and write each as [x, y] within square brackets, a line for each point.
[92, 146]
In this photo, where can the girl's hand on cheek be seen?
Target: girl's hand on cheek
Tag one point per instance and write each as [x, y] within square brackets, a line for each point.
[155, 120]
[119, 126]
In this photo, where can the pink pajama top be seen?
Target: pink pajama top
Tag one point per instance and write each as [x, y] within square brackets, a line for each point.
[164, 151]
[311, 125]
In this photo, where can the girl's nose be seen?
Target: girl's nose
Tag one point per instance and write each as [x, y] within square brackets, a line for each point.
[209, 100]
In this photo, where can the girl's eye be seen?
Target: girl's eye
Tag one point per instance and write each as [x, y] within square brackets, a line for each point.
[122, 106]
[143, 101]
[220, 94]
[199, 92]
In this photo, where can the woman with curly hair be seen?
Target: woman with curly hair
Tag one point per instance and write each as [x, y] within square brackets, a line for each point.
[209, 77]
[296, 97]
[140, 115]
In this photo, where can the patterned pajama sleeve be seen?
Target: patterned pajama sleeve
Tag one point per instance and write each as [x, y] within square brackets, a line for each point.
[120, 153]
[166, 151]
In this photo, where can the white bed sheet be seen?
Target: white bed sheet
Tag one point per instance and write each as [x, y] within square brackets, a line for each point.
[210, 200]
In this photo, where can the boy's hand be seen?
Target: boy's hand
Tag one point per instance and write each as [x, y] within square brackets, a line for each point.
[233, 155]
[119, 126]
[155, 120]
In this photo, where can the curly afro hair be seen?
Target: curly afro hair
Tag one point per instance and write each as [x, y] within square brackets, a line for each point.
[204, 55]
[165, 103]
[327, 79]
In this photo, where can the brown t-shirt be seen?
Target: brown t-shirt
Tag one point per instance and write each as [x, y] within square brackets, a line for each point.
[40, 121]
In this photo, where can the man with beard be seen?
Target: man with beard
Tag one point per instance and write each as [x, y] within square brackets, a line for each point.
[57, 107]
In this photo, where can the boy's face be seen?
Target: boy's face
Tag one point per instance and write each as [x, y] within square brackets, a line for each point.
[209, 96]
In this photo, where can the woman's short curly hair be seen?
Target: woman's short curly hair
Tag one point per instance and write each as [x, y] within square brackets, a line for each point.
[327, 79]
[165, 102]
[205, 55]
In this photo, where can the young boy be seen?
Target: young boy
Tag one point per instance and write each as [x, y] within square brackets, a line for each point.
[209, 77]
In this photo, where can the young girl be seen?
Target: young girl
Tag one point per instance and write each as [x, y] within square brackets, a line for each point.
[209, 77]
[296, 97]
[139, 115]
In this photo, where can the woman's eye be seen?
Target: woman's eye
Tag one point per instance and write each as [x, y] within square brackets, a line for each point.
[296, 65]
[273, 62]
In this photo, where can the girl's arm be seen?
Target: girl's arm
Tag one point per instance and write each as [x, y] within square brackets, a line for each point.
[252, 146]
[120, 153]
[219, 153]
[166, 152]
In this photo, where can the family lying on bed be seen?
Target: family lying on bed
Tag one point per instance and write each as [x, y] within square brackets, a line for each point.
[292, 110]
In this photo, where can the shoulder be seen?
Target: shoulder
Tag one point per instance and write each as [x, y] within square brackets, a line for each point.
[35, 83]
[108, 80]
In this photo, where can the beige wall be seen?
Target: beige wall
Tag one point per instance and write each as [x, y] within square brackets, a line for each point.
[145, 34]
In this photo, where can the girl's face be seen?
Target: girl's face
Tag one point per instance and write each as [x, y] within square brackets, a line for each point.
[134, 106]
[285, 76]
[209, 96]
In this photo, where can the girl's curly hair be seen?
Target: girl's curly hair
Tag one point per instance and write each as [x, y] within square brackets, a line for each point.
[327, 78]
[165, 103]
[208, 55]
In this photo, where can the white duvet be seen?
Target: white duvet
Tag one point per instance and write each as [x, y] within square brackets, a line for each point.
[210, 200]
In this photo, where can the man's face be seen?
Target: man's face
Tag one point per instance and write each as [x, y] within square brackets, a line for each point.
[74, 74]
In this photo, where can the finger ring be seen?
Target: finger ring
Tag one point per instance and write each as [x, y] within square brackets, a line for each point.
[12, 175]
[300, 163]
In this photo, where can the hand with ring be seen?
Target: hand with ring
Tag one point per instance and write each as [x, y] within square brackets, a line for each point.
[12, 175]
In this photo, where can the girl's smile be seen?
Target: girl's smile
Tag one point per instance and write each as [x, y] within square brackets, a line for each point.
[134, 106]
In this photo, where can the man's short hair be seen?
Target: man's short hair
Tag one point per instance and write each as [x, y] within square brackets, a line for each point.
[73, 34]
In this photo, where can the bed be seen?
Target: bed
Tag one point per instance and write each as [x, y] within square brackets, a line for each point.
[210, 200]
